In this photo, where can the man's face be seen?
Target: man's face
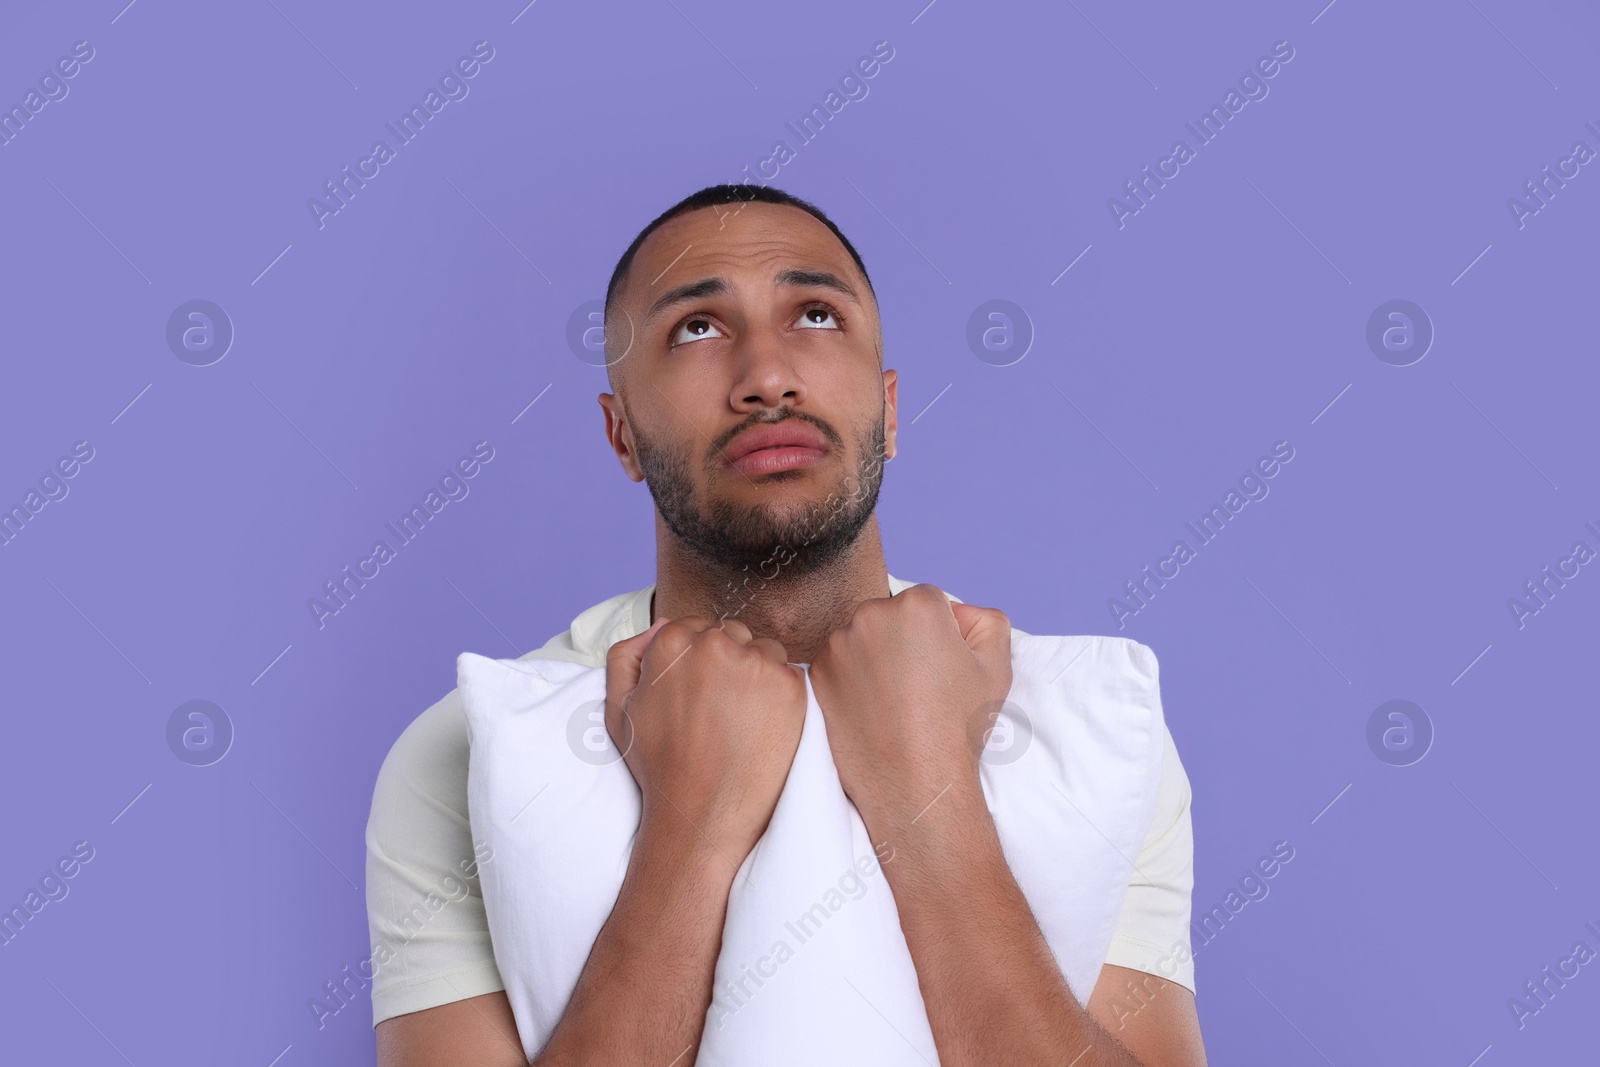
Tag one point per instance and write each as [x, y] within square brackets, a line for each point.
[746, 318]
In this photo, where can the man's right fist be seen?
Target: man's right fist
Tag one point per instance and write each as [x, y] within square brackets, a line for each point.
[708, 718]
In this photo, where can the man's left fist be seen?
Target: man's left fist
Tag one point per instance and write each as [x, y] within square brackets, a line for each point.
[899, 686]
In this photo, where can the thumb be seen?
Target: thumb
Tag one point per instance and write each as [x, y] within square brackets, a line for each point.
[625, 661]
[987, 631]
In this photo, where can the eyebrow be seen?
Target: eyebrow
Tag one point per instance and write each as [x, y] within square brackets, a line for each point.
[704, 287]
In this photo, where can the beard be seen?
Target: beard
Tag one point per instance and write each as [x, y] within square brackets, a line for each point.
[776, 542]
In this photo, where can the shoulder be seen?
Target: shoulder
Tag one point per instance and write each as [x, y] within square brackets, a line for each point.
[426, 767]
[427, 764]
[417, 828]
[425, 912]
[419, 802]
[425, 917]
[427, 760]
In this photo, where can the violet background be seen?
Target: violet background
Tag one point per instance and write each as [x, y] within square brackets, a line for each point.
[425, 317]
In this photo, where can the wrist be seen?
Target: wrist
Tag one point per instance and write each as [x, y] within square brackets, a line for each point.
[942, 839]
[934, 805]
[670, 849]
[948, 880]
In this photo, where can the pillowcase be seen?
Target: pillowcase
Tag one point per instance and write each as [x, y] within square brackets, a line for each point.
[813, 966]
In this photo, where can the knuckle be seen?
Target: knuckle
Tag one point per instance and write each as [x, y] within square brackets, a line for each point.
[718, 640]
[860, 614]
[673, 638]
[678, 627]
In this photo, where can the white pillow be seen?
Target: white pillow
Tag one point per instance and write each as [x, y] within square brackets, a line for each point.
[814, 966]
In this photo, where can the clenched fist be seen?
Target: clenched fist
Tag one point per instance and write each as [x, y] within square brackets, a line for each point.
[899, 686]
[708, 719]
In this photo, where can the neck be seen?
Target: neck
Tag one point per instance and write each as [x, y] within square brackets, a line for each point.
[798, 610]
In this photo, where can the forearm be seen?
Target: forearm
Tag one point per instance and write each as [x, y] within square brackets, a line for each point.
[993, 991]
[644, 992]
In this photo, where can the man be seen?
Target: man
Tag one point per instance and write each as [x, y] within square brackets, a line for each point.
[745, 354]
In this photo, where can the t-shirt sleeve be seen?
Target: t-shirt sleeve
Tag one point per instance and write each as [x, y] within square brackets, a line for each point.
[425, 915]
[1152, 932]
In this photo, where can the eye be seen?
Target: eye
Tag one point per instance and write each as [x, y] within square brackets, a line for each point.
[694, 328]
[820, 317]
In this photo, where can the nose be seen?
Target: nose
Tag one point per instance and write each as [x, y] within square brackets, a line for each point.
[765, 376]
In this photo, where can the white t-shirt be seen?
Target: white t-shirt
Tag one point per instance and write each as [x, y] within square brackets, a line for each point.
[430, 935]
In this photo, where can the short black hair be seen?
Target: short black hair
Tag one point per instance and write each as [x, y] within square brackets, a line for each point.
[715, 195]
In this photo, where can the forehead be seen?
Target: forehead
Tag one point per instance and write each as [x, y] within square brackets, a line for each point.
[732, 240]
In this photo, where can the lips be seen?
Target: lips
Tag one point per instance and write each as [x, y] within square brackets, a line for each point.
[791, 434]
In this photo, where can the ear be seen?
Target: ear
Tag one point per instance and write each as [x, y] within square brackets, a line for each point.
[619, 435]
[891, 411]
